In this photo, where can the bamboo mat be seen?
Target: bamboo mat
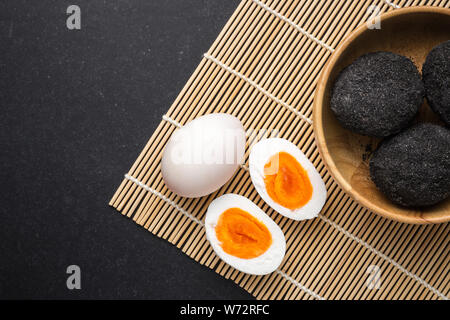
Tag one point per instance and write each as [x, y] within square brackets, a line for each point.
[263, 68]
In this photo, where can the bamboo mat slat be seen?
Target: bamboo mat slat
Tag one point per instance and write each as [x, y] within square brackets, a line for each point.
[263, 68]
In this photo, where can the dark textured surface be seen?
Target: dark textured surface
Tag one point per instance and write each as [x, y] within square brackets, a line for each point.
[436, 77]
[378, 95]
[77, 107]
[413, 167]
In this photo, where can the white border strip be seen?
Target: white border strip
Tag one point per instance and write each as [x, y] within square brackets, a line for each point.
[257, 86]
[293, 24]
[190, 216]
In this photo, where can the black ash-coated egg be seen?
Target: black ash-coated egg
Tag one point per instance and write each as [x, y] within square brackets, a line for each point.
[436, 77]
[413, 168]
[378, 95]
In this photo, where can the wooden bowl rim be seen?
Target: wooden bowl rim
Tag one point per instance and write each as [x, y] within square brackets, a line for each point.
[317, 120]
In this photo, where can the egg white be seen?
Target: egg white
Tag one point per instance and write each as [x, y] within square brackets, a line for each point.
[266, 263]
[260, 155]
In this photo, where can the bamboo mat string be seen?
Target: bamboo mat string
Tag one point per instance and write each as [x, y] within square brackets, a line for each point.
[190, 216]
[163, 197]
[257, 86]
[298, 284]
[243, 166]
[293, 24]
[321, 216]
[393, 5]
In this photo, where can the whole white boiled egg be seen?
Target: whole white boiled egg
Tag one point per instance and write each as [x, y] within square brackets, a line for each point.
[243, 236]
[286, 180]
[203, 155]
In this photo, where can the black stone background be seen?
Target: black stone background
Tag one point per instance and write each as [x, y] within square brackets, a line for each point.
[77, 107]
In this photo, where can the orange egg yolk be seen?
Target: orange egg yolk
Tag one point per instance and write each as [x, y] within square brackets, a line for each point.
[242, 235]
[287, 183]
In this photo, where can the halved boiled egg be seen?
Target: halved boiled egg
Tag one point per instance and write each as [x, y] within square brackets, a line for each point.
[286, 180]
[243, 236]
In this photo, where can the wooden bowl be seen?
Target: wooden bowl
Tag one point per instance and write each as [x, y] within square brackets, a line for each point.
[411, 32]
